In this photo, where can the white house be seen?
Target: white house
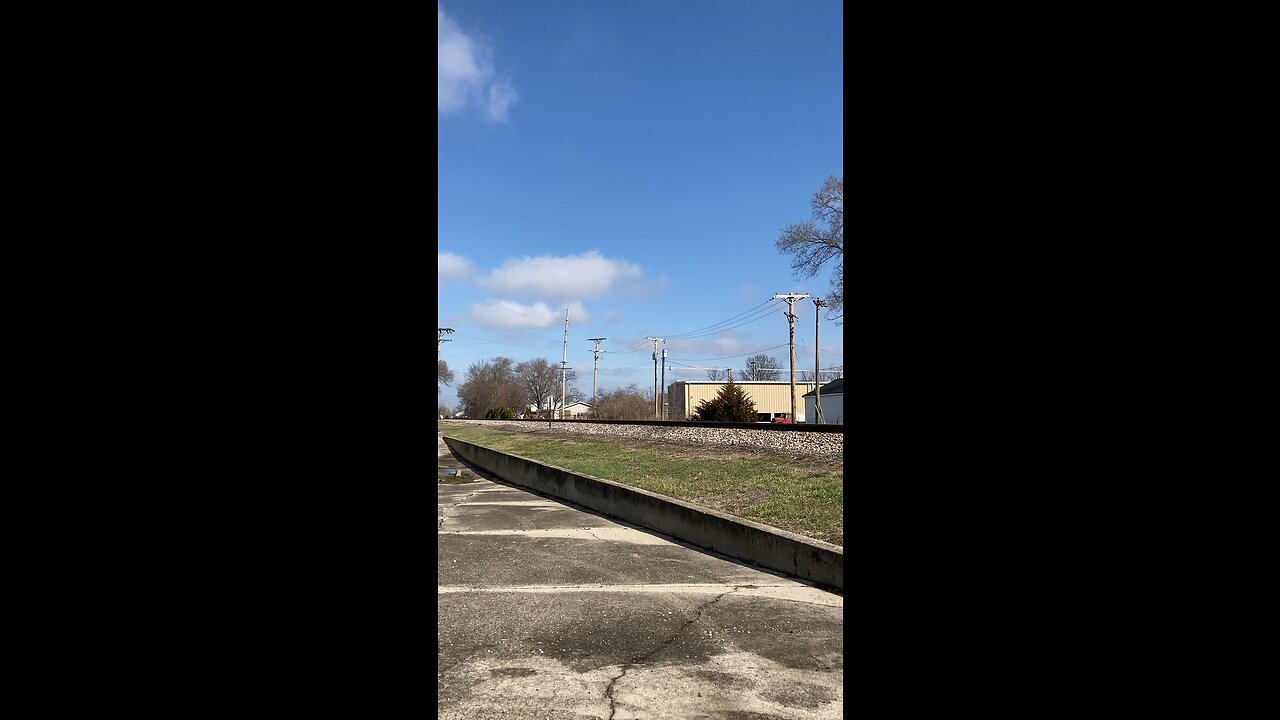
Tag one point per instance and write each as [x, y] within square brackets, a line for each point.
[576, 409]
[832, 403]
[572, 410]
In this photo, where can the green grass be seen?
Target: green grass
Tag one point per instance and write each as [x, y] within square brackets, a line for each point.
[804, 496]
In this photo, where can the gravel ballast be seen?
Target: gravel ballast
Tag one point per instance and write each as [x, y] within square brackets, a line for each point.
[828, 446]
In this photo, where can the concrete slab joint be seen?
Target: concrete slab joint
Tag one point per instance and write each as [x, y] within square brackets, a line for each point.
[805, 558]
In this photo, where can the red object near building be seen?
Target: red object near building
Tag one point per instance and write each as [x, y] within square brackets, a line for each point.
[783, 418]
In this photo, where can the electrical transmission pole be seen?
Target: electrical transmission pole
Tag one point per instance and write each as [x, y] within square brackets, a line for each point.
[664, 380]
[595, 370]
[655, 376]
[817, 372]
[564, 362]
[791, 299]
[440, 341]
[673, 374]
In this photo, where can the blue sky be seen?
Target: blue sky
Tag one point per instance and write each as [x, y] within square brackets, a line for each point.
[633, 162]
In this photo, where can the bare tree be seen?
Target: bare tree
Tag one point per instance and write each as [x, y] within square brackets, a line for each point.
[443, 373]
[828, 374]
[761, 367]
[624, 404]
[715, 374]
[491, 385]
[541, 380]
[812, 244]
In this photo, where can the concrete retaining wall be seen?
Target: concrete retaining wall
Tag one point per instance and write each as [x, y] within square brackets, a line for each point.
[809, 559]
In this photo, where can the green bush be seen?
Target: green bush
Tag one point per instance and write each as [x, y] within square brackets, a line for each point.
[731, 404]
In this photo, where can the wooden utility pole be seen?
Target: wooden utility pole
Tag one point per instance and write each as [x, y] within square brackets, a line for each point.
[595, 370]
[564, 362]
[791, 299]
[663, 402]
[817, 372]
[655, 376]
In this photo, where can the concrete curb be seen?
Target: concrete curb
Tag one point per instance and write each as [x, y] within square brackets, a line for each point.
[813, 560]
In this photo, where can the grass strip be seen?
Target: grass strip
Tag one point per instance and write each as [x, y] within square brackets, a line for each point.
[803, 496]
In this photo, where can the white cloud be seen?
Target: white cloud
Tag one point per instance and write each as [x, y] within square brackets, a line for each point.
[451, 266]
[501, 97]
[515, 316]
[574, 277]
[465, 72]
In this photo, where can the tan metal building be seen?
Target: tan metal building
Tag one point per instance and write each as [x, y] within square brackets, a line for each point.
[771, 397]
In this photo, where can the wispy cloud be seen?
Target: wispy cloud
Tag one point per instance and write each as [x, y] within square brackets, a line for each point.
[570, 277]
[715, 347]
[451, 266]
[751, 291]
[465, 72]
[501, 97]
[514, 316]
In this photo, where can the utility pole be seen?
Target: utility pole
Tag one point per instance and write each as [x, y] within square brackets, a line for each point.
[791, 299]
[673, 375]
[440, 341]
[595, 369]
[664, 380]
[564, 362]
[817, 372]
[655, 375]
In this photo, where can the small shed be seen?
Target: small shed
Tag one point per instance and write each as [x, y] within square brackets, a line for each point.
[832, 403]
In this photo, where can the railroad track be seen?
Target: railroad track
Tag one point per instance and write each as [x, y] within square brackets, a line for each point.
[691, 425]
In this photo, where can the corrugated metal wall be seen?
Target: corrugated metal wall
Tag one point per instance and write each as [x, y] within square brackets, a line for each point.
[832, 408]
[769, 397]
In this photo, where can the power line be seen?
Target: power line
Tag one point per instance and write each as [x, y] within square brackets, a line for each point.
[748, 321]
[710, 329]
[747, 316]
[730, 357]
[493, 342]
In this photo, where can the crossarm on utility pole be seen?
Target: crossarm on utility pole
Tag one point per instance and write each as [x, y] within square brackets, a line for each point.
[791, 299]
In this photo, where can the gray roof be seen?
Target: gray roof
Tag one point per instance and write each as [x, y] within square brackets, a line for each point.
[835, 387]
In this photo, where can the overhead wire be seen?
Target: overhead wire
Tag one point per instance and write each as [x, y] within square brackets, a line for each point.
[707, 329]
[748, 316]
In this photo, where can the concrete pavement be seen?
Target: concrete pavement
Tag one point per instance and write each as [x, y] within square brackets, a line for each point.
[546, 610]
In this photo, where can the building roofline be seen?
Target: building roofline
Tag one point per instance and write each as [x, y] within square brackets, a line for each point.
[741, 382]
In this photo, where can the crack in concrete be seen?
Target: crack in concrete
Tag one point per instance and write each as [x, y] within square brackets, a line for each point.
[608, 693]
[444, 512]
